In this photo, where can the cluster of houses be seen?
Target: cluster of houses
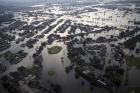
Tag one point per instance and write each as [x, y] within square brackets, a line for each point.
[4, 45]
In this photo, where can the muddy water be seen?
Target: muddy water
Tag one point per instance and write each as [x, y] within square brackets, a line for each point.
[68, 82]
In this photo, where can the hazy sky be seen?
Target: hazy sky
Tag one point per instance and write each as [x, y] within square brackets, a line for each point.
[36, 1]
[42, 0]
[16, 2]
[24, 2]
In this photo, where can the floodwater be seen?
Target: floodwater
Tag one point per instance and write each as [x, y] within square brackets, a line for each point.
[68, 82]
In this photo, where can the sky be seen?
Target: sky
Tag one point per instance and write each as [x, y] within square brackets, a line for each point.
[24, 2]
[43, 0]
[16, 2]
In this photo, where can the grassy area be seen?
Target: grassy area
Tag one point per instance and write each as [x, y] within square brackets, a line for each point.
[134, 90]
[54, 50]
[51, 72]
[1, 55]
[120, 29]
[34, 70]
[84, 90]
[132, 61]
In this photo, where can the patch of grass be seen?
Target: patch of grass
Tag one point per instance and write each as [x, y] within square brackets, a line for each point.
[132, 61]
[34, 70]
[120, 29]
[54, 50]
[1, 55]
[84, 90]
[51, 72]
[134, 90]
